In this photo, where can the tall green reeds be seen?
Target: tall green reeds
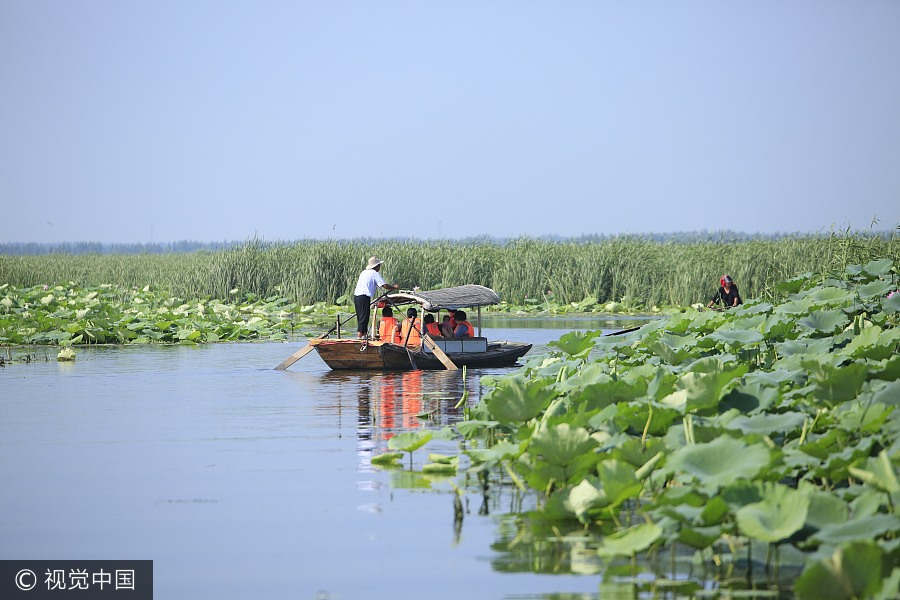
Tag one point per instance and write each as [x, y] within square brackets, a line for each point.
[644, 271]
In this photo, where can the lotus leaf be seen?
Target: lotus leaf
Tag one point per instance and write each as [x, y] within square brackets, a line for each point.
[863, 528]
[494, 454]
[584, 497]
[781, 512]
[879, 472]
[891, 306]
[562, 444]
[439, 468]
[576, 343]
[699, 537]
[824, 508]
[879, 287]
[836, 384]
[825, 322]
[751, 397]
[698, 391]
[853, 571]
[877, 268]
[862, 344]
[619, 481]
[795, 307]
[737, 337]
[517, 400]
[409, 441]
[387, 458]
[767, 424]
[828, 295]
[631, 540]
[753, 309]
[720, 461]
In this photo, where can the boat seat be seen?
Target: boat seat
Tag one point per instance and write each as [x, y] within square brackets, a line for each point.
[459, 345]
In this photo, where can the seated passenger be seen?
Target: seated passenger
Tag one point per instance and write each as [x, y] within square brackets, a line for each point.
[446, 327]
[388, 329]
[464, 329]
[410, 328]
[431, 327]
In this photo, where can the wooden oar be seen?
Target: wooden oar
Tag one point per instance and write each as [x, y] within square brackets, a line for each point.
[441, 355]
[309, 347]
[621, 332]
[295, 357]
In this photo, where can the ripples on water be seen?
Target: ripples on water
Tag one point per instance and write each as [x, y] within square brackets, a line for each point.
[240, 481]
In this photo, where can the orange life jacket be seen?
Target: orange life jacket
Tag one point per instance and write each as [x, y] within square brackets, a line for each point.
[433, 329]
[387, 330]
[411, 327]
[470, 330]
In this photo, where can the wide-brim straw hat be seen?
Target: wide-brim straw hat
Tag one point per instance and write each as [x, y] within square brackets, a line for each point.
[373, 262]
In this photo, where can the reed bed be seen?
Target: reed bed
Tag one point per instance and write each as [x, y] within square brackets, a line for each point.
[644, 272]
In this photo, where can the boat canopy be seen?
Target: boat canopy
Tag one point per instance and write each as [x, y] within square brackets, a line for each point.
[452, 298]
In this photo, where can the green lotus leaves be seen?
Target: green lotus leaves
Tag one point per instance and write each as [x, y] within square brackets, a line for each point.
[836, 384]
[780, 513]
[828, 295]
[824, 322]
[387, 459]
[879, 473]
[877, 268]
[576, 343]
[701, 390]
[879, 287]
[515, 401]
[873, 343]
[824, 508]
[562, 444]
[751, 397]
[720, 461]
[891, 306]
[737, 337]
[768, 424]
[862, 528]
[631, 540]
[619, 481]
[585, 497]
[853, 571]
[410, 441]
[499, 451]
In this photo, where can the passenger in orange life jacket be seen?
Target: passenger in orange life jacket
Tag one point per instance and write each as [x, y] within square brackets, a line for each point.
[410, 328]
[431, 327]
[464, 329]
[388, 329]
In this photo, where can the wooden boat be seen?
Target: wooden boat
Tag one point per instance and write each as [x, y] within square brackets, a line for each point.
[476, 352]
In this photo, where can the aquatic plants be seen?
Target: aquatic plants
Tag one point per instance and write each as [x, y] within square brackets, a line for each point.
[745, 435]
[622, 274]
[70, 315]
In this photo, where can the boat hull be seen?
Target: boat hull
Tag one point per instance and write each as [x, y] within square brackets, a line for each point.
[377, 355]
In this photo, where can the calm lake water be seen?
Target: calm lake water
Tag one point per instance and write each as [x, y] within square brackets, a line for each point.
[240, 481]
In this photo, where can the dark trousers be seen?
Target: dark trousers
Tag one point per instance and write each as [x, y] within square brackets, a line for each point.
[363, 308]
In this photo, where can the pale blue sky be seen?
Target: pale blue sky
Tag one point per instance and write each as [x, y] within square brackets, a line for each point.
[217, 120]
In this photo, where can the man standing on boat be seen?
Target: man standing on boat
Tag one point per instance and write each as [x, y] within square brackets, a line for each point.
[366, 286]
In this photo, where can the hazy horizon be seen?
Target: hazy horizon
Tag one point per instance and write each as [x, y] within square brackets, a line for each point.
[129, 122]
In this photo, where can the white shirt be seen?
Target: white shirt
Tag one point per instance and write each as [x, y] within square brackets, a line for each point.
[369, 282]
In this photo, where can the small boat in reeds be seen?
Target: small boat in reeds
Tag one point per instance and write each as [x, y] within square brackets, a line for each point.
[473, 352]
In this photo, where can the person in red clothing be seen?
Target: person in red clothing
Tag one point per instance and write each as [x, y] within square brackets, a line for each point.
[446, 329]
[431, 327]
[388, 329]
[463, 329]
